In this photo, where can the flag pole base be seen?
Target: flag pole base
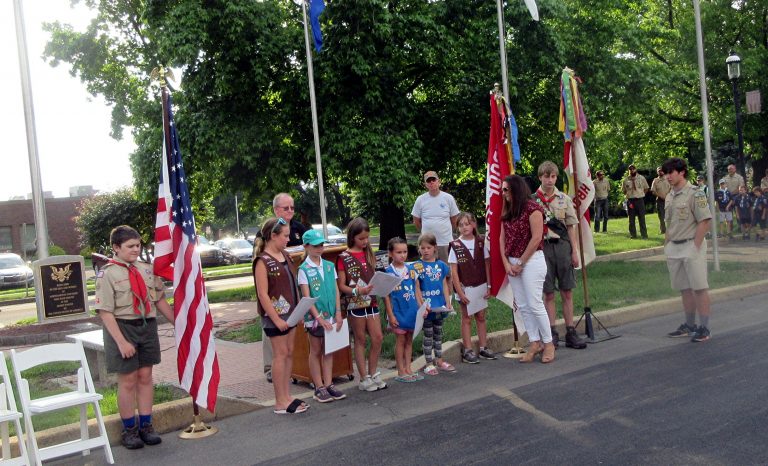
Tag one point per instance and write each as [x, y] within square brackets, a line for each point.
[589, 330]
[198, 429]
[516, 352]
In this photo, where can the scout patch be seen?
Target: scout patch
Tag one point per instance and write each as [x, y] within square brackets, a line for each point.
[701, 200]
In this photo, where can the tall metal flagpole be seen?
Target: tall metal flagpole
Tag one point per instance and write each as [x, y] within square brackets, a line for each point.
[38, 201]
[502, 51]
[705, 119]
[315, 130]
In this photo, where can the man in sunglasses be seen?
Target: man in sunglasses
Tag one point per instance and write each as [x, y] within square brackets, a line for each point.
[436, 212]
[284, 209]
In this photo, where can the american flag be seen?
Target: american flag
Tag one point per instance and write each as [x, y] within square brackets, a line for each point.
[176, 259]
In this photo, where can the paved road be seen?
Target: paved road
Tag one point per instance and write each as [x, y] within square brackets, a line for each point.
[639, 399]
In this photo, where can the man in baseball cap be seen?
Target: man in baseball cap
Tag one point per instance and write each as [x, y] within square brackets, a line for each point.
[436, 212]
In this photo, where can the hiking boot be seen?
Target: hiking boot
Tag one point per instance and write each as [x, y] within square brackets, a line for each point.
[555, 337]
[701, 334]
[468, 356]
[485, 353]
[321, 395]
[130, 438]
[380, 384]
[148, 434]
[335, 392]
[684, 330]
[367, 385]
[572, 339]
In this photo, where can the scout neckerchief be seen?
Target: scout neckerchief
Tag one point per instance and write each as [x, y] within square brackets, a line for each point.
[138, 288]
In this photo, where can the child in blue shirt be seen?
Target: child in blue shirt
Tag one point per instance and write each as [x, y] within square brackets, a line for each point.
[759, 213]
[724, 206]
[743, 203]
[402, 304]
[433, 280]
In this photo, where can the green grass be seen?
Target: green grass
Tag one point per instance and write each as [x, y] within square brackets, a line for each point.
[617, 239]
[41, 384]
[246, 293]
[20, 293]
[250, 332]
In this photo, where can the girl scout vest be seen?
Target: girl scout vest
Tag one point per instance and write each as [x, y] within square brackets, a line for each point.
[354, 272]
[471, 268]
[322, 287]
[278, 285]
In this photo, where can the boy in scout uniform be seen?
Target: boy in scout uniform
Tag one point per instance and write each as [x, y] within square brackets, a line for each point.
[688, 218]
[634, 188]
[602, 188]
[559, 251]
[128, 296]
[660, 188]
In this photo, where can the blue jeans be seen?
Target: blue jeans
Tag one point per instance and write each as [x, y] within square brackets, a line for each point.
[601, 212]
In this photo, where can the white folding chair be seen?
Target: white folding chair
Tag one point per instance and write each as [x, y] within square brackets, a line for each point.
[82, 397]
[9, 414]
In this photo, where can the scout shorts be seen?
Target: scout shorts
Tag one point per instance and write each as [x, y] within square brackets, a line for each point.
[143, 337]
[559, 268]
[687, 265]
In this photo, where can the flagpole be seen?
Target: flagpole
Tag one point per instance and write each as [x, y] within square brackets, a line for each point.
[502, 50]
[315, 130]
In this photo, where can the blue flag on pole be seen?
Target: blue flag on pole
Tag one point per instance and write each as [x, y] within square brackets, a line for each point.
[316, 8]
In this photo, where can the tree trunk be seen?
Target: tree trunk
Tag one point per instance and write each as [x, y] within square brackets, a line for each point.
[760, 165]
[391, 223]
[344, 211]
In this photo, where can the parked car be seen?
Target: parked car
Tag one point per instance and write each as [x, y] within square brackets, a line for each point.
[14, 272]
[236, 250]
[336, 237]
[210, 254]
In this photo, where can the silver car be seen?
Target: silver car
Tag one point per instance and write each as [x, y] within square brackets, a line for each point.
[236, 249]
[14, 272]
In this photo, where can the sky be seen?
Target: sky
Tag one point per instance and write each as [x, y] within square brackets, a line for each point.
[74, 145]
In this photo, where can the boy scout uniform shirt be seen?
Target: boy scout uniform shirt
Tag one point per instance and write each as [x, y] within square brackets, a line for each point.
[684, 210]
[601, 188]
[560, 207]
[660, 186]
[113, 290]
[732, 182]
[638, 191]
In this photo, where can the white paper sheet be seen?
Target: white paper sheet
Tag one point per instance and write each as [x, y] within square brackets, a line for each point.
[298, 313]
[334, 340]
[419, 320]
[384, 283]
[476, 296]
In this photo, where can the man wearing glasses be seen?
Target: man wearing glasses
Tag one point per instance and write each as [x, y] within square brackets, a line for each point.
[282, 205]
[436, 212]
[284, 209]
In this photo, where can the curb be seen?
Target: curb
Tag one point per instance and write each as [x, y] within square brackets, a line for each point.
[629, 255]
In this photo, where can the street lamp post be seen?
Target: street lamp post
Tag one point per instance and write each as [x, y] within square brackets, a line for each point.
[734, 71]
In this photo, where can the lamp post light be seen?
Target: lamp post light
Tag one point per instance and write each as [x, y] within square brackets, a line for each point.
[734, 72]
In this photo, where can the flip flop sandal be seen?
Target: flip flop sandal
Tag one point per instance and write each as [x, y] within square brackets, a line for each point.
[297, 406]
[446, 367]
[405, 379]
[430, 370]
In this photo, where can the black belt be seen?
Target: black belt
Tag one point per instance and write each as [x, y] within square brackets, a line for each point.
[135, 322]
[552, 240]
[681, 241]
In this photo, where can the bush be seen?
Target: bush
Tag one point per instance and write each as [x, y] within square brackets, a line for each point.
[54, 250]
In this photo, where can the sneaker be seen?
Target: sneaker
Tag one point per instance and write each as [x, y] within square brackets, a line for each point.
[130, 438]
[572, 339]
[380, 384]
[268, 375]
[148, 434]
[431, 370]
[321, 395]
[701, 334]
[335, 392]
[684, 330]
[367, 385]
[485, 353]
[468, 356]
[555, 337]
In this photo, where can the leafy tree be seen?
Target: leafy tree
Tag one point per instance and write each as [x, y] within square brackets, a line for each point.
[101, 213]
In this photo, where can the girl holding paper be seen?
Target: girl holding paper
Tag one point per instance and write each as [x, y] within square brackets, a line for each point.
[277, 293]
[402, 304]
[469, 258]
[317, 279]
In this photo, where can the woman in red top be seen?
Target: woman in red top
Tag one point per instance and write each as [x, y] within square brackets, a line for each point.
[521, 239]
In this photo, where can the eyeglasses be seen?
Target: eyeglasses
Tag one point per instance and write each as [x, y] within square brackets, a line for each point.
[288, 207]
[279, 224]
[431, 180]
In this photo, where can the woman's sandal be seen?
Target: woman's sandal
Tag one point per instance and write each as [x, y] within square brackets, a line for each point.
[296, 407]
[530, 356]
[549, 353]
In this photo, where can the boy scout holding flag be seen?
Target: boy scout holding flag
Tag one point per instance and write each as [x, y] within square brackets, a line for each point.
[687, 217]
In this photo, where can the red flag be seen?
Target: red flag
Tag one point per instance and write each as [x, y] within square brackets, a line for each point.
[499, 166]
[177, 259]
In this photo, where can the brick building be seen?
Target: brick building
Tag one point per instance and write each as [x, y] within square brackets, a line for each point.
[17, 224]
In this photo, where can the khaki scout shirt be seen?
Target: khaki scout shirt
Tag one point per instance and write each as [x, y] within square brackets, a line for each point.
[601, 188]
[561, 207]
[660, 186]
[639, 189]
[732, 182]
[684, 210]
[113, 290]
